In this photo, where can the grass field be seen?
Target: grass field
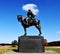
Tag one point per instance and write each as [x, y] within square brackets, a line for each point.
[4, 49]
[53, 48]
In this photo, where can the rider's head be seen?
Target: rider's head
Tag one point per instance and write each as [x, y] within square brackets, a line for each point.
[29, 10]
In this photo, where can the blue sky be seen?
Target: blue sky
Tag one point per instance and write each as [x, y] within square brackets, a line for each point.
[49, 15]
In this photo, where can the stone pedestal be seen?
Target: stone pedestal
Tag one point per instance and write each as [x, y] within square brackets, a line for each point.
[31, 44]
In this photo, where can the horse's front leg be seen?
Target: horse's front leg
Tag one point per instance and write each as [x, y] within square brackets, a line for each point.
[25, 32]
[39, 28]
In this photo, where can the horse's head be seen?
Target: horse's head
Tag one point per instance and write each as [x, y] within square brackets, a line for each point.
[20, 17]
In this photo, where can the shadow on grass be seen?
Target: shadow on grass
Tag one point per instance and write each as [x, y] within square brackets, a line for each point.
[15, 50]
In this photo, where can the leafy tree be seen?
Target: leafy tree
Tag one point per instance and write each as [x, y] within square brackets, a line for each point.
[14, 43]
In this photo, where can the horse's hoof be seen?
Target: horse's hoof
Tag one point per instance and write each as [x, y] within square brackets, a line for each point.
[24, 35]
[39, 34]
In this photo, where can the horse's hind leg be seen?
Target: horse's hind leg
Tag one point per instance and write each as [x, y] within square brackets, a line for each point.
[25, 32]
[39, 28]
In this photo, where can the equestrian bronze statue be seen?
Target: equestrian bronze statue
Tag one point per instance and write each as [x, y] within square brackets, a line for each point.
[29, 21]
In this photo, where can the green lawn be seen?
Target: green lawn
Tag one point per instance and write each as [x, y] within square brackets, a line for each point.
[8, 49]
[53, 49]
[3, 50]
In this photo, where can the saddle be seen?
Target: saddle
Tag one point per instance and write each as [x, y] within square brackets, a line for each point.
[29, 20]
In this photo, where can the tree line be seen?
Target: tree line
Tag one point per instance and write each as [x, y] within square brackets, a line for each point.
[15, 43]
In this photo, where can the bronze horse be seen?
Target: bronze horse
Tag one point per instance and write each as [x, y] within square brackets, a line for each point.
[32, 22]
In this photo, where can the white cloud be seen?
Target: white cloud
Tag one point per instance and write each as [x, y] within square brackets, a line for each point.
[32, 7]
[58, 32]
